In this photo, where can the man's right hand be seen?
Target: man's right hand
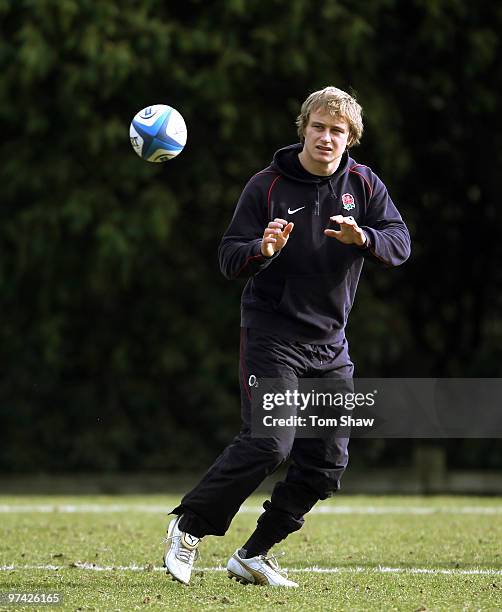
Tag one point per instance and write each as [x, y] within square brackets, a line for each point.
[275, 236]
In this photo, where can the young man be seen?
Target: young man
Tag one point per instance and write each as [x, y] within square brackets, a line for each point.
[300, 233]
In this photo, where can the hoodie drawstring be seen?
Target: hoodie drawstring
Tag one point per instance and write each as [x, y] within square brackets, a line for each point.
[332, 190]
[317, 206]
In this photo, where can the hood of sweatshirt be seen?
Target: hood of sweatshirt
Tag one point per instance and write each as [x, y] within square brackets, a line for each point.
[286, 162]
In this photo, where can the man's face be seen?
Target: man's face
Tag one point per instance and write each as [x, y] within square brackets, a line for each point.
[326, 139]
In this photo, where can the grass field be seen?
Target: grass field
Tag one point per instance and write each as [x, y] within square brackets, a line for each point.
[354, 553]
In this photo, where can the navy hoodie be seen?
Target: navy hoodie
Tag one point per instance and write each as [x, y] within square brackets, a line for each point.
[306, 290]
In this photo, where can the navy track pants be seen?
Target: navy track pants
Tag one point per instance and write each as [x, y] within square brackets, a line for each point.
[317, 464]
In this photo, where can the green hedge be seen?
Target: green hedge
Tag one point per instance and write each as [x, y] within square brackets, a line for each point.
[118, 335]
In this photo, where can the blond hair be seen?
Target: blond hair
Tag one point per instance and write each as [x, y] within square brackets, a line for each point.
[339, 104]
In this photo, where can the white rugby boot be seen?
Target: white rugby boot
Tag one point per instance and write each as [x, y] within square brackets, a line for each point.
[181, 552]
[260, 570]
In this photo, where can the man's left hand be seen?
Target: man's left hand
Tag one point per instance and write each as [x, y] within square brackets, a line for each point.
[349, 232]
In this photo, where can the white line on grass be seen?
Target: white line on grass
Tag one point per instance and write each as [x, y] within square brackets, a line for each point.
[301, 570]
[332, 509]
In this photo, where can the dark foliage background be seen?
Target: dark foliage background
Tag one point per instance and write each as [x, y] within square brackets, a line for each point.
[118, 335]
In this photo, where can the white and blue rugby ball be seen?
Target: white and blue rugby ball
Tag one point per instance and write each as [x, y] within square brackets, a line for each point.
[158, 133]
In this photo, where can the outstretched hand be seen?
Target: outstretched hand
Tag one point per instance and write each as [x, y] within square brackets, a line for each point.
[349, 232]
[275, 236]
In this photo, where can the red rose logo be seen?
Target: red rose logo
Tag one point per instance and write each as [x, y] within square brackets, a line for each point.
[348, 201]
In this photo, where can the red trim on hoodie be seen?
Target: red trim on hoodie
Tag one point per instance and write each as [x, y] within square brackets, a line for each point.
[246, 263]
[270, 193]
[370, 188]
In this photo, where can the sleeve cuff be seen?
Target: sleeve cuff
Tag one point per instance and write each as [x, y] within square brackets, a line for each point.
[367, 244]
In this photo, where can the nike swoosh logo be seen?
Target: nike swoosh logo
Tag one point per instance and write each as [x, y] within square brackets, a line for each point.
[292, 212]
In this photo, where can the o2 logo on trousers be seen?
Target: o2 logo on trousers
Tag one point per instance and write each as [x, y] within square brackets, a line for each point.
[252, 381]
